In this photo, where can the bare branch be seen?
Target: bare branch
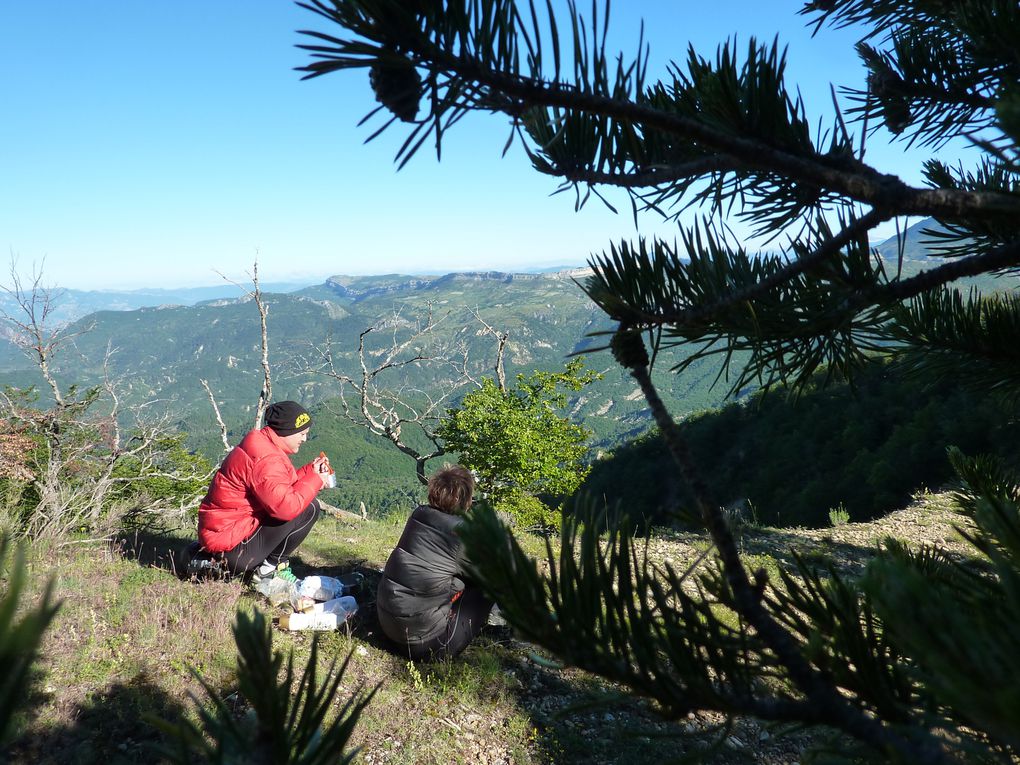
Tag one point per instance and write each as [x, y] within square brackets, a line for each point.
[374, 397]
[255, 294]
[32, 330]
[501, 340]
[219, 418]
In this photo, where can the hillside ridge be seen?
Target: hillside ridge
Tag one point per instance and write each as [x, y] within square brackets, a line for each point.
[351, 286]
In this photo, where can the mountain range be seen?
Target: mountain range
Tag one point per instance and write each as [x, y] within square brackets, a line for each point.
[163, 352]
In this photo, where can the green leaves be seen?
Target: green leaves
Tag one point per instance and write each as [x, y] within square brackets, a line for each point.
[518, 444]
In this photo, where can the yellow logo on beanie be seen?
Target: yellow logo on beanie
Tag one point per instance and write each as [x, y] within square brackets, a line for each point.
[302, 419]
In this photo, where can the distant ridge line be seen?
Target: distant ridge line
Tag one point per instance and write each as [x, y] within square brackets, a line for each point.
[348, 286]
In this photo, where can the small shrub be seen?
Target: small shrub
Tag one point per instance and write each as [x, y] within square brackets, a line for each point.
[838, 516]
[528, 512]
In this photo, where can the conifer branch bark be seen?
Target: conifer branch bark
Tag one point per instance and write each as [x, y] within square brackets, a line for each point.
[828, 706]
[515, 94]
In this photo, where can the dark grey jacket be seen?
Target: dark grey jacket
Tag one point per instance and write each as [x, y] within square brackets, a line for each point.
[421, 577]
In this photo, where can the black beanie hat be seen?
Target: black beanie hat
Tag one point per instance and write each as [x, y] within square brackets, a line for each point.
[287, 418]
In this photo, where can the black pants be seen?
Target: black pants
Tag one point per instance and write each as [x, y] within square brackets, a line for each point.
[467, 617]
[272, 541]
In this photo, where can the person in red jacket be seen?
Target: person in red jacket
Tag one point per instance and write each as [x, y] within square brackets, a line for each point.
[259, 508]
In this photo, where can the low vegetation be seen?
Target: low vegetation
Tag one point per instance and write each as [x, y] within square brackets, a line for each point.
[129, 633]
[885, 651]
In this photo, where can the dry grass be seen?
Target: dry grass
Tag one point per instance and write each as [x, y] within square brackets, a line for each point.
[129, 632]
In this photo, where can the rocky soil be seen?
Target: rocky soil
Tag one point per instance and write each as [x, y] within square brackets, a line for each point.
[620, 731]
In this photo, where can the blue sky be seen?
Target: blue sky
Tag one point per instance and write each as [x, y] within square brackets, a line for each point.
[148, 144]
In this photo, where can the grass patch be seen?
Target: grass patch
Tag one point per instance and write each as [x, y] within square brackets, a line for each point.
[129, 632]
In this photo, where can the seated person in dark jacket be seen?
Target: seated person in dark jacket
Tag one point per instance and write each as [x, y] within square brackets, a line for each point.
[425, 602]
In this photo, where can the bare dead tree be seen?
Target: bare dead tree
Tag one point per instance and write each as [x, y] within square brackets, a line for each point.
[219, 417]
[501, 341]
[375, 398]
[32, 327]
[255, 294]
[78, 464]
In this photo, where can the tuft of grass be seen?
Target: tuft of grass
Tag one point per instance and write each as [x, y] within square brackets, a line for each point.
[838, 516]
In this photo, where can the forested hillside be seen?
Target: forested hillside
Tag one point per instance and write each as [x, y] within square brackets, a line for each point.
[164, 353]
[780, 460]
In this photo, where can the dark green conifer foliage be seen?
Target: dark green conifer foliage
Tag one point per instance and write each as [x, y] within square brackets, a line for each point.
[286, 719]
[869, 659]
[21, 634]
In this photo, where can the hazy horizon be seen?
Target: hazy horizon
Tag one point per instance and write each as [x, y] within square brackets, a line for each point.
[132, 161]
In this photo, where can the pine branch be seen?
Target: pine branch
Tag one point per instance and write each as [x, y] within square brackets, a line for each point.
[605, 281]
[498, 85]
[652, 176]
[975, 340]
[747, 598]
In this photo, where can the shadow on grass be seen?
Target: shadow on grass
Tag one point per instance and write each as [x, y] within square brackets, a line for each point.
[581, 719]
[166, 551]
[159, 550]
[786, 547]
[107, 728]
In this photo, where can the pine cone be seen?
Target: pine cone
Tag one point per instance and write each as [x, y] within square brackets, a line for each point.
[888, 89]
[629, 349]
[397, 86]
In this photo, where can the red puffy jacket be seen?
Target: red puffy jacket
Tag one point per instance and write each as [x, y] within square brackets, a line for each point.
[255, 483]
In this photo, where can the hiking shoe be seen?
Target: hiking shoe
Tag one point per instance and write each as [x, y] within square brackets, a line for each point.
[281, 572]
[496, 618]
[200, 565]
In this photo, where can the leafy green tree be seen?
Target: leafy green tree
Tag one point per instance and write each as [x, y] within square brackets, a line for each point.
[902, 661]
[524, 451]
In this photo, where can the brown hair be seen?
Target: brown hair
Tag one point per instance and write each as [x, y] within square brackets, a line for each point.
[451, 489]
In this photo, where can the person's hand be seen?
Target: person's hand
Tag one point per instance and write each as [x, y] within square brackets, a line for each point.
[321, 466]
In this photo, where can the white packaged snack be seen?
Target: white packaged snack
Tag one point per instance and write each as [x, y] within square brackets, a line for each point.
[322, 616]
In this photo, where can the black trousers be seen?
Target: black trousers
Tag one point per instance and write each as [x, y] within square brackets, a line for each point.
[467, 617]
[272, 541]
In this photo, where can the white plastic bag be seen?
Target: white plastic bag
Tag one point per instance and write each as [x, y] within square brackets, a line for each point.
[345, 607]
[320, 588]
